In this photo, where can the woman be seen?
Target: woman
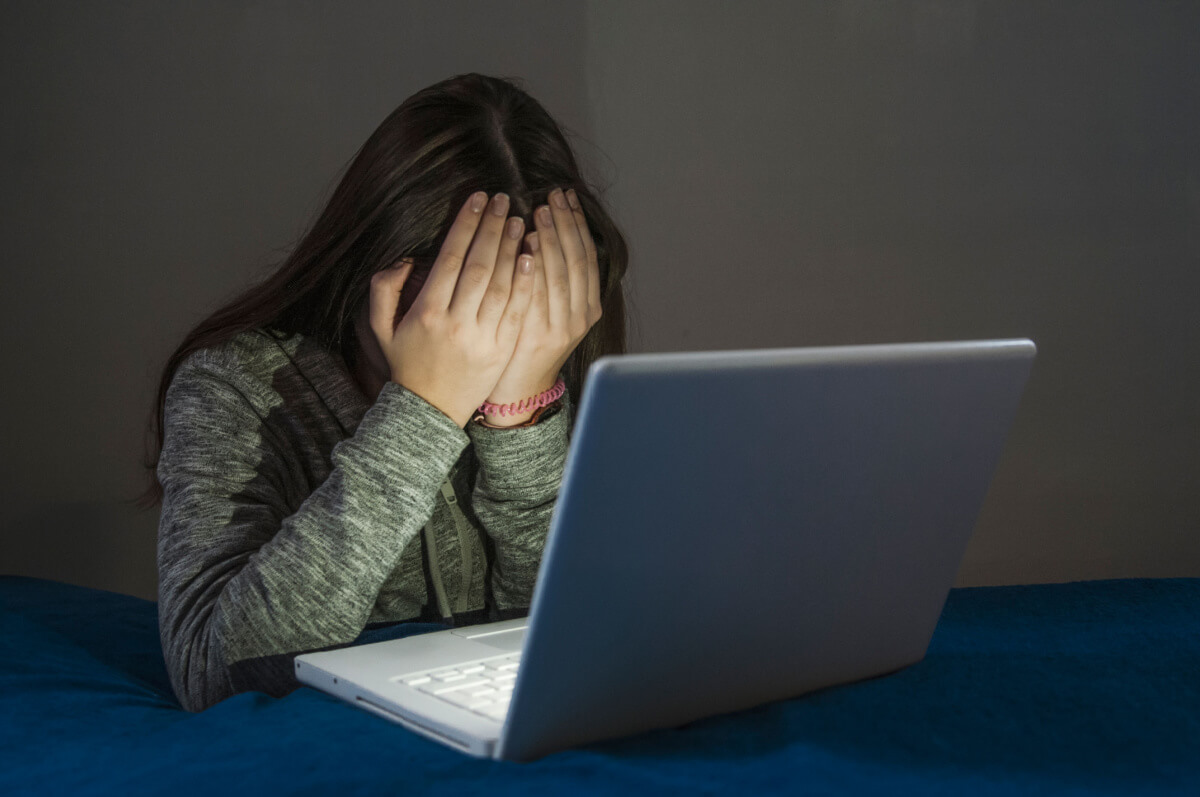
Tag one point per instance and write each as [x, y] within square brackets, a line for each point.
[322, 463]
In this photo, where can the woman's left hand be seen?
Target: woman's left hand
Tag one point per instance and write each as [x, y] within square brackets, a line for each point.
[565, 303]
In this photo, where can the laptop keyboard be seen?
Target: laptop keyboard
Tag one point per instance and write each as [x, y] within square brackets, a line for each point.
[483, 686]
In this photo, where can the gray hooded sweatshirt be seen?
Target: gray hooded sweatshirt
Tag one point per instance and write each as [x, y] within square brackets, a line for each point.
[296, 514]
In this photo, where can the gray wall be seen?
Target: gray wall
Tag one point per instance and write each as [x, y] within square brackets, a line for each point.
[787, 174]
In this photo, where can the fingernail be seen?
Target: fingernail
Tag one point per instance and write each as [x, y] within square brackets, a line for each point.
[477, 201]
[574, 200]
[500, 204]
[559, 200]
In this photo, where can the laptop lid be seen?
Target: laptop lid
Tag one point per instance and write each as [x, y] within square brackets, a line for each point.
[738, 527]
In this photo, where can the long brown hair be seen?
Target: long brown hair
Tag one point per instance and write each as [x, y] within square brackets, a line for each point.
[397, 199]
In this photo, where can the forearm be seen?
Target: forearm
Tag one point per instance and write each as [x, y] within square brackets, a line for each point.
[516, 490]
[246, 578]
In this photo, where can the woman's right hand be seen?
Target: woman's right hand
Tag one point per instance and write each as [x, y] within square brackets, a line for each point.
[456, 339]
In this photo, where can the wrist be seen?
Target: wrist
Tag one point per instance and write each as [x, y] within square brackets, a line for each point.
[506, 421]
[451, 411]
[523, 412]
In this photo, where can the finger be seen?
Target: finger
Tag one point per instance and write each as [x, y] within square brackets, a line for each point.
[386, 286]
[439, 286]
[539, 306]
[573, 252]
[481, 263]
[558, 280]
[496, 298]
[589, 246]
[509, 328]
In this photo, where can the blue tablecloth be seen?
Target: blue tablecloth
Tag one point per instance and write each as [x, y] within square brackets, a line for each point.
[1080, 688]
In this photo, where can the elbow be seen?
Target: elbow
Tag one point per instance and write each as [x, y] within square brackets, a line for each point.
[193, 701]
[198, 679]
[196, 686]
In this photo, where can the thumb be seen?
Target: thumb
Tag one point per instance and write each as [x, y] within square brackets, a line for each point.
[386, 290]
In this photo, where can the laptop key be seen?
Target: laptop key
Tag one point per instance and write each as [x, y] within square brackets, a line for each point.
[459, 699]
[439, 689]
[471, 683]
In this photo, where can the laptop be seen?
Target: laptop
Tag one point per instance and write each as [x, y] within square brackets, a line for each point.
[733, 528]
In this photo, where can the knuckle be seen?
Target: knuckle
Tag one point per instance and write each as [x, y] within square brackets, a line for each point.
[465, 336]
[495, 293]
[475, 274]
[424, 316]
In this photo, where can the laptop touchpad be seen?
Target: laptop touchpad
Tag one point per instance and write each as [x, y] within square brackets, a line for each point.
[511, 639]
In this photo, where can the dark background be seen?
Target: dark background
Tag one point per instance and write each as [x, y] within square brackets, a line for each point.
[787, 174]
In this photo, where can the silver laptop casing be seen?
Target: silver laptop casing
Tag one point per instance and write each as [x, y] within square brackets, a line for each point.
[732, 528]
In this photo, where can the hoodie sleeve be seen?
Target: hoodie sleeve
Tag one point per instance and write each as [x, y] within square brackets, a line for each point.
[516, 489]
[245, 582]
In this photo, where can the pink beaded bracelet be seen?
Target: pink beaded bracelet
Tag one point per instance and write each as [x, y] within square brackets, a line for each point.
[525, 405]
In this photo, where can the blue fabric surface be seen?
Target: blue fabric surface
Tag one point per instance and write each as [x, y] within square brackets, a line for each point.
[1080, 688]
